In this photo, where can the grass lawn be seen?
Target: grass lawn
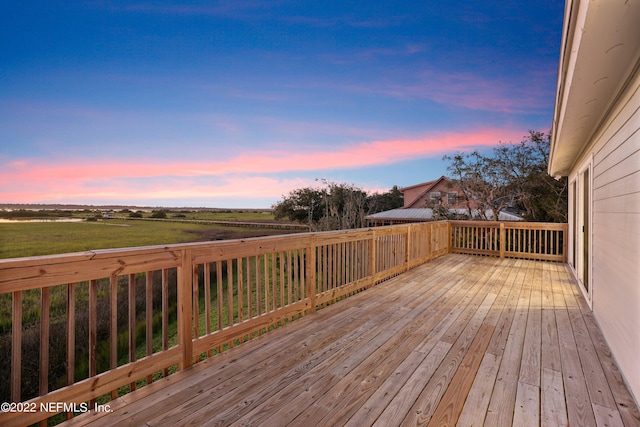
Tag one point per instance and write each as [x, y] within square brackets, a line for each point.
[46, 238]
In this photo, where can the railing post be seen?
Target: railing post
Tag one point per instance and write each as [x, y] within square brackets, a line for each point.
[407, 255]
[430, 241]
[449, 236]
[311, 273]
[503, 240]
[185, 307]
[372, 255]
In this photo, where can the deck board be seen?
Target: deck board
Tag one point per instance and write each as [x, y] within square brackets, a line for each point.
[462, 339]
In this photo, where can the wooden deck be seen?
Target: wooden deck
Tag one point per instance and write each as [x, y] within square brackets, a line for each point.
[463, 339]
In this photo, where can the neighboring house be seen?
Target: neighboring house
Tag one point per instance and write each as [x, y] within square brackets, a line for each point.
[419, 200]
[596, 143]
[441, 191]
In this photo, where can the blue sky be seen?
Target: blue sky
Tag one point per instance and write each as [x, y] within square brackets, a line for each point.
[235, 103]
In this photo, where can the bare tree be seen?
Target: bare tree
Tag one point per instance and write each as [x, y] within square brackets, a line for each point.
[515, 176]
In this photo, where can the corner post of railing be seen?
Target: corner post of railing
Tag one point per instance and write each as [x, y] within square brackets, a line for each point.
[311, 268]
[185, 309]
[503, 240]
[450, 237]
[565, 243]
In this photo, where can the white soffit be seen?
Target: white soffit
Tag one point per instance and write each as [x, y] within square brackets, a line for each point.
[604, 48]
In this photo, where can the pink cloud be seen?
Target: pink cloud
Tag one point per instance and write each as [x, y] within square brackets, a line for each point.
[468, 90]
[28, 180]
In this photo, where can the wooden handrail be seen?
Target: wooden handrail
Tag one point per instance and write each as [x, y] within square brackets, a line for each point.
[112, 309]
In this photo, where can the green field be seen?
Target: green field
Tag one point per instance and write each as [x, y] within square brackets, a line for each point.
[46, 238]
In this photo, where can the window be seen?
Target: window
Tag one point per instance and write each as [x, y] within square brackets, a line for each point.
[434, 197]
[452, 198]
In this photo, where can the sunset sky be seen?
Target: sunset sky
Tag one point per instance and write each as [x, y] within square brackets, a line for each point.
[235, 103]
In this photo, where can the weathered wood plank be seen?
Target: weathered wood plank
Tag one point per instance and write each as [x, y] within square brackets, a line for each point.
[475, 407]
[607, 417]
[552, 400]
[452, 402]
[426, 403]
[527, 407]
[500, 411]
[531, 352]
[576, 393]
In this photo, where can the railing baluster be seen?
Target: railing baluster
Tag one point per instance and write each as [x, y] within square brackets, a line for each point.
[132, 323]
[196, 305]
[290, 279]
[310, 275]
[71, 332]
[113, 326]
[274, 282]
[267, 294]
[230, 297]
[165, 314]
[250, 281]
[45, 304]
[258, 290]
[149, 317]
[281, 259]
[93, 329]
[207, 300]
[219, 296]
[240, 266]
[16, 346]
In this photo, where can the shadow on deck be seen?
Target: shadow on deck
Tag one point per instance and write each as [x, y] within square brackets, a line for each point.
[463, 339]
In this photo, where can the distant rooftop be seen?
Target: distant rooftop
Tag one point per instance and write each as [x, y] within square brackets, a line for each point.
[426, 214]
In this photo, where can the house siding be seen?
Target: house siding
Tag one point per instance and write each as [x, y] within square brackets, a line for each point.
[414, 197]
[616, 232]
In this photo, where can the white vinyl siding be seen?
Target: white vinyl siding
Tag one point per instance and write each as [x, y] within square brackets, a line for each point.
[616, 233]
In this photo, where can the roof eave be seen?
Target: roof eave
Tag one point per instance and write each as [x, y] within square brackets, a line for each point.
[600, 47]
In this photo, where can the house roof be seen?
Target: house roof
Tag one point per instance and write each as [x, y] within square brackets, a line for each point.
[426, 214]
[430, 186]
[418, 214]
[600, 52]
[418, 185]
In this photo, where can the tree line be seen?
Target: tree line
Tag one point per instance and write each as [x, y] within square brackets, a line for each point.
[336, 206]
[512, 177]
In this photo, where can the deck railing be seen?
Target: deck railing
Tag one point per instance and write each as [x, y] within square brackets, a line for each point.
[529, 240]
[87, 327]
